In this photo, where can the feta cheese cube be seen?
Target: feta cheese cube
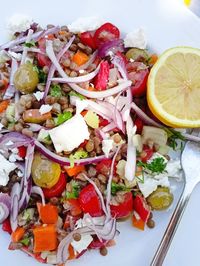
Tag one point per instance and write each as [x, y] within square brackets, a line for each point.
[85, 24]
[70, 134]
[38, 95]
[107, 145]
[5, 169]
[136, 39]
[45, 108]
[81, 245]
[18, 23]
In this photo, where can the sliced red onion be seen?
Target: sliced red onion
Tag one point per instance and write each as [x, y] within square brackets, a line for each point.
[5, 206]
[39, 191]
[111, 47]
[108, 190]
[145, 118]
[99, 132]
[25, 50]
[89, 62]
[65, 161]
[36, 36]
[97, 191]
[34, 127]
[190, 137]
[11, 89]
[17, 96]
[15, 196]
[78, 79]
[30, 49]
[131, 152]
[53, 68]
[120, 64]
[109, 127]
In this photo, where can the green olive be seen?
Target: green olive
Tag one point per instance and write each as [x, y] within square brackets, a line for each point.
[26, 78]
[160, 199]
[137, 54]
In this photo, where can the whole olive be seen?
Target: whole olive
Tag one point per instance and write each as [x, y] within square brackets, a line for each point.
[137, 54]
[160, 199]
[26, 78]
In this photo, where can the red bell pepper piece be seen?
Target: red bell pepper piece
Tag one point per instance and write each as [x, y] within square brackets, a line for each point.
[88, 39]
[148, 153]
[57, 189]
[123, 209]
[107, 32]
[22, 151]
[141, 207]
[6, 227]
[101, 80]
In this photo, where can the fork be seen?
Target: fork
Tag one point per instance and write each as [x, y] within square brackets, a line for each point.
[190, 161]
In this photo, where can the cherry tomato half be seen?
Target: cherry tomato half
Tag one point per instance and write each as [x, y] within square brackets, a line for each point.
[101, 80]
[90, 202]
[148, 153]
[22, 151]
[57, 189]
[123, 209]
[6, 227]
[139, 124]
[88, 39]
[107, 32]
[141, 207]
[43, 60]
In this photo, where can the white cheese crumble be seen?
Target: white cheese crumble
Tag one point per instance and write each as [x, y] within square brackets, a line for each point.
[1, 126]
[107, 145]
[81, 245]
[136, 39]
[120, 168]
[38, 95]
[4, 57]
[45, 108]
[19, 23]
[173, 168]
[85, 24]
[5, 169]
[9, 143]
[70, 134]
[14, 55]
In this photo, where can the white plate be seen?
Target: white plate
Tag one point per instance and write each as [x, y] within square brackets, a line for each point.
[167, 23]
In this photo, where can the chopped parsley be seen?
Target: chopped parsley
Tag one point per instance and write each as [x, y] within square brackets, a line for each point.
[29, 44]
[56, 91]
[80, 154]
[25, 241]
[61, 118]
[118, 187]
[156, 166]
[173, 136]
[41, 75]
[73, 93]
[75, 191]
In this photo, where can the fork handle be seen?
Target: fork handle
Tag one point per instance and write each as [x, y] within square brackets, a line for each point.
[172, 226]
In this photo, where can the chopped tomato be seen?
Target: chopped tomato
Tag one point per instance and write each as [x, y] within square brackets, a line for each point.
[103, 122]
[6, 227]
[97, 244]
[83, 144]
[123, 209]
[43, 60]
[88, 39]
[74, 205]
[101, 80]
[141, 207]
[105, 163]
[138, 223]
[139, 78]
[57, 189]
[22, 151]
[90, 202]
[107, 32]
[147, 153]
[139, 124]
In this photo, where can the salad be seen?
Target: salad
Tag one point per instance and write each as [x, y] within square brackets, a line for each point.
[79, 146]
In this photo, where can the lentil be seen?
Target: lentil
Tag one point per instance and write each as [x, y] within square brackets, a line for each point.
[89, 146]
[27, 132]
[151, 223]
[77, 237]
[103, 251]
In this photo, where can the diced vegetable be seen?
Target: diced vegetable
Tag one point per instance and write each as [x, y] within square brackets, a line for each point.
[74, 192]
[45, 238]
[160, 199]
[25, 241]
[71, 251]
[80, 58]
[118, 187]
[74, 206]
[18, 234]
[34, 116]
[61, 118]
[157, 135]
[22, 151]
[107, 32]
[55, 91]
[3, 105]
[10, 112]
[123, 209]
[79, 154]
[88, 39]
[141, 207]
[147, 153]
[48, 213]
[138, 222]
[73, 171]
[101, 79]
[137, 142]
[92, 119]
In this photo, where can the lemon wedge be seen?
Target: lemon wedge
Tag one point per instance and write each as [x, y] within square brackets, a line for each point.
[173, 88]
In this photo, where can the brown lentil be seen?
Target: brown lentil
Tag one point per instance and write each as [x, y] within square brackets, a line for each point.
[92, 171]
[92, 154]
[66, 62]
[88, 50]
[102, 178]
[96, 181]
[73, 47]
[103, 251]
[117, 138]
[89, 146]
[54, 201]
[119, 197]
[66, 88]
[64, 28]
[80, 177]
[36, 105]
[4, 122]
[77, 236]
[27, 132]
[56, 108]
[63, 100]
[73, 66]
[28, 105]
[46, 69]
[18, 127]
[151, 223]
[40, 87]
[73, 74]
[49, 123]
[118, 157]
[81, 46]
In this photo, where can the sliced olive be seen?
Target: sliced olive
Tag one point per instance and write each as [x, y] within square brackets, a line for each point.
[160, 199]
[26, 78]
[137, 54]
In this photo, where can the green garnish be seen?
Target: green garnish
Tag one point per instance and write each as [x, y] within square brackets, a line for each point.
[25, 241]
[56, 91]
[118, 187]
[157, 165]
[73, 93]
[173, 136]
[80, 154]
[75, 191]
[29, 44]
[61, 118]
[41, 75]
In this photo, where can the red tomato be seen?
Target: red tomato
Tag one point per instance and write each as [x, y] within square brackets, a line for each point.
[101, 80]
[22, 151]
[141, 207]
[75, 208]
[43, 60]
[87, 39]
[83, 144]
[97, 244]
[107, 32]
[139, 77]
[148, 152]
[123, 209]
[105, 163]
[57, 189]
[89, 201]
[139, 124]
[6, 227]
[103, 122]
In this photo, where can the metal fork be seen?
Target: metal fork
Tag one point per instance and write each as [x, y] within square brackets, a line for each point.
[190, 160]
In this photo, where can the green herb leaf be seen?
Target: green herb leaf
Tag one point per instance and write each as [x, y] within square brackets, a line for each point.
[29, 44]
[118, 187]
[41, 75]
[173, 136]
[80, 154]
[157, 165]
[56, 91]
[75, 191]
[73, 93]
[25, 241]
[61, 118]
